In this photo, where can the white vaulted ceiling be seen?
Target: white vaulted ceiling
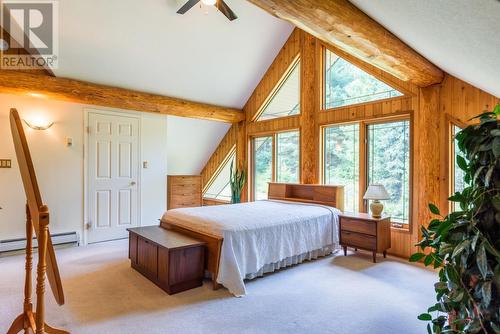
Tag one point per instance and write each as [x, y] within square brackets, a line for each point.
[145, 45]
[462, 37]
[200, 56]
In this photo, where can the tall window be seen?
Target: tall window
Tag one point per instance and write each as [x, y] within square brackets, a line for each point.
[275, 158]
[287, 157]
[341, 161]
[263, 166]
[346, 84]
[458, 175]
[384, 149]
[388, 163]
[219, 188]
[285, 99]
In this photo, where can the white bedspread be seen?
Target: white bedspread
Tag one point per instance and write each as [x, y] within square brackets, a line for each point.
[260, 233]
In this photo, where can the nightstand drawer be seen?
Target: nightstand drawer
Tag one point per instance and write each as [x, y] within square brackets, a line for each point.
[361, 226]
[354, 239]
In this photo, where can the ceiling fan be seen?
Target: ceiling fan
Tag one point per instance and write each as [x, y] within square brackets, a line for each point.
[219, 4]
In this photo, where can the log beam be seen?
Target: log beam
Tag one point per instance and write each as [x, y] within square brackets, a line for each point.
[16, 82]
[340, 23]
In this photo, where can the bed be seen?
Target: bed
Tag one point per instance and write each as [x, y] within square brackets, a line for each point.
[247, 240]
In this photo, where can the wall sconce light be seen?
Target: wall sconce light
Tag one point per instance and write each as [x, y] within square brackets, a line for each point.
[39, 124]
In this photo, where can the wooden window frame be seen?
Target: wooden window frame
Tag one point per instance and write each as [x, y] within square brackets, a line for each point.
[450, 155]
[216, 174]
[323, 49]
[275, 90]
[274, 136]
[363, 160]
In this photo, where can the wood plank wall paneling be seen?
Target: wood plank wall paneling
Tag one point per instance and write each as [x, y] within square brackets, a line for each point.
[459, 102]
[273, 125]
[309, 108]
[431, 109]
[274, 74]
[226, 145]
[365, 111]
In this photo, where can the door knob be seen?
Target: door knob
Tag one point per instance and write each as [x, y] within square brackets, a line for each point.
[132, 183]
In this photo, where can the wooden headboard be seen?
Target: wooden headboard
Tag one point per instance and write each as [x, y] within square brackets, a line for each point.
[308, 193]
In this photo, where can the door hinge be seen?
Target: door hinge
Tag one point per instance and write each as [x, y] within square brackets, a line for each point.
[88, 129]
[88, 226]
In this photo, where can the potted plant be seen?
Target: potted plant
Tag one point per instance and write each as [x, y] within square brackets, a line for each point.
[237, 180]
[465, 244]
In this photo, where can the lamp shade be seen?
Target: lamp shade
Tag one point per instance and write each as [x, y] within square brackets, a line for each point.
[376, 192]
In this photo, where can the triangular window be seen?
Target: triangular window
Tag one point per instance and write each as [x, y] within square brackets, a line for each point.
[219, 188]
[285, 99]
[346, 84]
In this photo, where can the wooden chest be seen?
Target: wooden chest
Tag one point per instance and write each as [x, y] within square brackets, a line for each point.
[171, 260]
[184, 191]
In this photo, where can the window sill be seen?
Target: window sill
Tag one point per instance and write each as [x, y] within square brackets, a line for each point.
[401, 229]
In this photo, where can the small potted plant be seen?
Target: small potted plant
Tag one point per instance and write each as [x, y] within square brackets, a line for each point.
[465, 244]
[237, 180]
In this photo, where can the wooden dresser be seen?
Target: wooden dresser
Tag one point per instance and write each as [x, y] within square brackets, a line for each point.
[171, 260]
[183, 191]
[361, 230]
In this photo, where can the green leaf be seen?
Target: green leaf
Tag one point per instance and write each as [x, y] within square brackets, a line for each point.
[462, 163]
[434, 209]
[440, 286]
[495, 327]
[482, 261]
[487, 177]
[496, 147]
[429, 330]
[496, 111]
[428, 260]
[417, 257]
[433, 308]
[425, 317]
[437, 261]
[474, 242]
[495, 132]
[460, 248]
[486, 293]
[496, 202]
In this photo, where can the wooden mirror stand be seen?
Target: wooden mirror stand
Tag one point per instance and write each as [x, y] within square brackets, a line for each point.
[37, 219]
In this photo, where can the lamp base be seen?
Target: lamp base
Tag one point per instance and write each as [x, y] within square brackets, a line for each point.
[376, 208]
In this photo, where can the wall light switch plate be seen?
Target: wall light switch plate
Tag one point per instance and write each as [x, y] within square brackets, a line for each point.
[5, 163]
[145, 164]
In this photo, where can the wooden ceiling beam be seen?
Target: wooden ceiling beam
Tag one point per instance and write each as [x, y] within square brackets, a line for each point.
[16, 82]
[340, 23]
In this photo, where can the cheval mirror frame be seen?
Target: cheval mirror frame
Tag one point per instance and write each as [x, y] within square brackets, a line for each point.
[37, 219]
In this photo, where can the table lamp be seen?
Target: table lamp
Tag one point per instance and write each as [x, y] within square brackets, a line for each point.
[376, 192]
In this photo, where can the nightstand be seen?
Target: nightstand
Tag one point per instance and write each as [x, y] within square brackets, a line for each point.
[361, 230]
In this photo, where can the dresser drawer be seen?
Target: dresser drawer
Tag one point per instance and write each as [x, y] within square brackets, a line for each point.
[354, 239]
[361, 226]
[185, 189]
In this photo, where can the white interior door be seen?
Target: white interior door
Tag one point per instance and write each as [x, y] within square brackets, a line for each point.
[113, 169]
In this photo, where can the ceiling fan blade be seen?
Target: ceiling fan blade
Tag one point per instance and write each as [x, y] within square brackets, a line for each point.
[224, 8]
[187, 6]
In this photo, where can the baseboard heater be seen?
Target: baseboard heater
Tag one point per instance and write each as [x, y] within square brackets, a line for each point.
[20, 244]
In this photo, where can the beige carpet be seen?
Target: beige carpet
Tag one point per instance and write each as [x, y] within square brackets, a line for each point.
[336, 294]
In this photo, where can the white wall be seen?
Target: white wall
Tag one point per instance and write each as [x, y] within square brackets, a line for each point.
[154, 178]
[60, 168]
[191, 142]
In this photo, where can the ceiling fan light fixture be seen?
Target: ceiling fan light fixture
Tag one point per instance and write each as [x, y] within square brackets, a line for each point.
[209, 2]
